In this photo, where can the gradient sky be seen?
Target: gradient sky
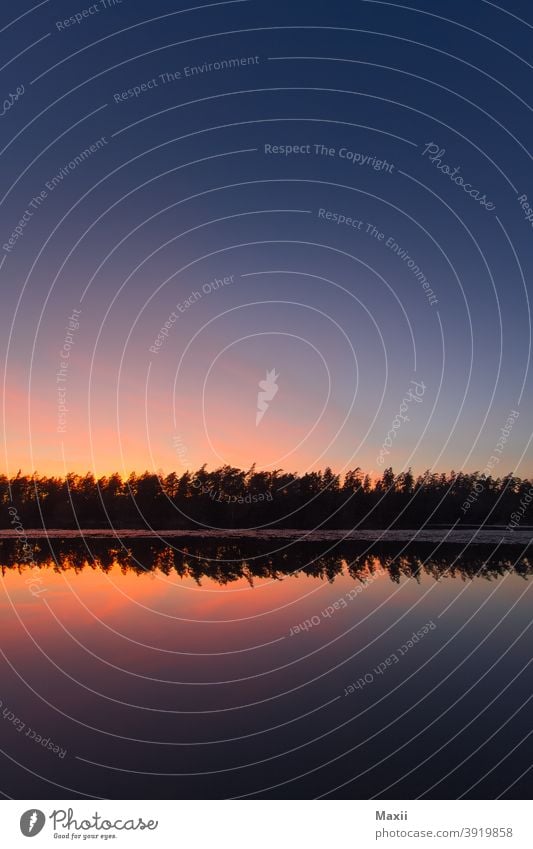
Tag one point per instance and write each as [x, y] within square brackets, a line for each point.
[182, 194]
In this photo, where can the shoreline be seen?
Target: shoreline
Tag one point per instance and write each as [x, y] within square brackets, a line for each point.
[470, 536]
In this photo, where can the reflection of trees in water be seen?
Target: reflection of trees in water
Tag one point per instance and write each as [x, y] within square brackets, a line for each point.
[224, 561]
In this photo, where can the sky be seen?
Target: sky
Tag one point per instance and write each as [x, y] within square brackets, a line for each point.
[194, 198]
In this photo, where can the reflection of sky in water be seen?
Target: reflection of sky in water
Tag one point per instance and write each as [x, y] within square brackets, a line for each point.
[171, 670]
[161, 658]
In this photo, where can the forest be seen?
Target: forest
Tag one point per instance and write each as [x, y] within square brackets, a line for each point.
[229, 497]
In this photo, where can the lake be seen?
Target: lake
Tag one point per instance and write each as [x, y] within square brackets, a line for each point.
[248, 666]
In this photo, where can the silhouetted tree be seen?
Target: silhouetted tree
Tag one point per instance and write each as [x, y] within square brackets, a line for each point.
[228, 497]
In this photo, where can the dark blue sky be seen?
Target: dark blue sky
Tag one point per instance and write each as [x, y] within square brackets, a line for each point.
[191, 182]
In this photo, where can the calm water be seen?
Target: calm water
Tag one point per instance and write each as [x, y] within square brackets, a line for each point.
[227, 668]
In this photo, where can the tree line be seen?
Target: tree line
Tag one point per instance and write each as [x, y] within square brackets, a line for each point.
[229, 497]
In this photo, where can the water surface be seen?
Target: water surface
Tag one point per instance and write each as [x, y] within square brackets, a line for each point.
[215, 668]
